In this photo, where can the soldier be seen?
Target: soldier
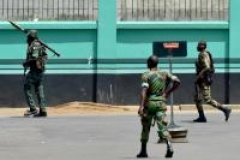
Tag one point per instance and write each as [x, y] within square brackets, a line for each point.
[33, 84]
[203, 81]
[153, 97]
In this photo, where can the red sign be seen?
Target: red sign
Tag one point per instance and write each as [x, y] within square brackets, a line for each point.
[171, 45]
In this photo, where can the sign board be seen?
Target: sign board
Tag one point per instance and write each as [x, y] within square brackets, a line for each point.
[165, 48]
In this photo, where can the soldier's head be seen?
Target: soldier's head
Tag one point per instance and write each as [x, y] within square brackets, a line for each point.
[31, 36]
[202, 45]
[152, 62]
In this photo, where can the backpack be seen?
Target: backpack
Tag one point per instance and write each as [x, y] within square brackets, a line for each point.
[209, 75]
[212, 63]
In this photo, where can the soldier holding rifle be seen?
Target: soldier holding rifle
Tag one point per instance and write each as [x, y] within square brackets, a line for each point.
[35, 61]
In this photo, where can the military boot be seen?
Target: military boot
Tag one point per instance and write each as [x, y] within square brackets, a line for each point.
[201, 118]
[30, 112]
[143, 152]
[41, 114]
[226, 111]
[169, 153]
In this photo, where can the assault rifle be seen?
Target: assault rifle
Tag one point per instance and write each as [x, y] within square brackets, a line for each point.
[26, 32]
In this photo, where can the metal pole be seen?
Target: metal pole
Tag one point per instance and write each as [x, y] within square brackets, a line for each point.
[171, 95]
[171, 124]
[177, 133]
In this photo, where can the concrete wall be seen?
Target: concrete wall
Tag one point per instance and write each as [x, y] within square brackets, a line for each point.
[49, 9]
[127, 9]
[174, 9]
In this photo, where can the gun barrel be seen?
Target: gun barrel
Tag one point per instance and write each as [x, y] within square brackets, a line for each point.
[18, 27]
[52, 50]
[26, 31]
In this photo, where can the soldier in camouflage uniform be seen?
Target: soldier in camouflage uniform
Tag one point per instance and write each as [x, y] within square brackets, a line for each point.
[204, 69]
[33, 84]
[155, 91]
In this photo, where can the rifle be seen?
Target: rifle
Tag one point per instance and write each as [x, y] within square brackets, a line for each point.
[26, 31]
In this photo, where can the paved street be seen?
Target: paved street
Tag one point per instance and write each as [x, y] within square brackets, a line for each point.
[113, 138]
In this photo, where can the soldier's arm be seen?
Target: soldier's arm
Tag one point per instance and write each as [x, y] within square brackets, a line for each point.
[27, 60]
[175, 84]
[143, 97]
[143, 94]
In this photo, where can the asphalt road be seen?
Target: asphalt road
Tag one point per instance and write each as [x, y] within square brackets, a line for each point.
[113, 138]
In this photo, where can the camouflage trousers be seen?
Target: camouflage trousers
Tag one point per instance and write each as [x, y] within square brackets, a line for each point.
[204, 94]
[33, 87]
[154, 111]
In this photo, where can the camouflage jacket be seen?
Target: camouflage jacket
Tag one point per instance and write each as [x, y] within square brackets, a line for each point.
[156, 82]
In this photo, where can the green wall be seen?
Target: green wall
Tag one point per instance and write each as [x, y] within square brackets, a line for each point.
[76, 42]
[110, 46]
[136, 42]
[234, 36]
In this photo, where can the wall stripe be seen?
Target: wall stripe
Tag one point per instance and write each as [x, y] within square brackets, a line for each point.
[119, 61]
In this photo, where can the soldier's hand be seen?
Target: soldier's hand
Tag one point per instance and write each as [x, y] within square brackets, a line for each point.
[140, 111]
[24, 64]
[196, 97]
[165, 95]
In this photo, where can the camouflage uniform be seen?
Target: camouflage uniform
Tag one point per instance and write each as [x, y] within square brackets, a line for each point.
[204, 90]
[155, 106]
[155, 90]
[35, 61]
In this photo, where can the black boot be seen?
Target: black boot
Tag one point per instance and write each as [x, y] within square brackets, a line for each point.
[30, 112]
[226, 111]
[143, 152]
[41, 114]
[201, 118]
[169, 153]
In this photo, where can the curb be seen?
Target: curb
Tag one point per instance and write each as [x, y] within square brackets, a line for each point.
[187, 107]
[191, 107]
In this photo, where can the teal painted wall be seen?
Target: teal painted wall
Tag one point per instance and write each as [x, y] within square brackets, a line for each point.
[136, 42]
[80, 43]
[120, 47]
[107, 29]
[74, 41]
[234, 35]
